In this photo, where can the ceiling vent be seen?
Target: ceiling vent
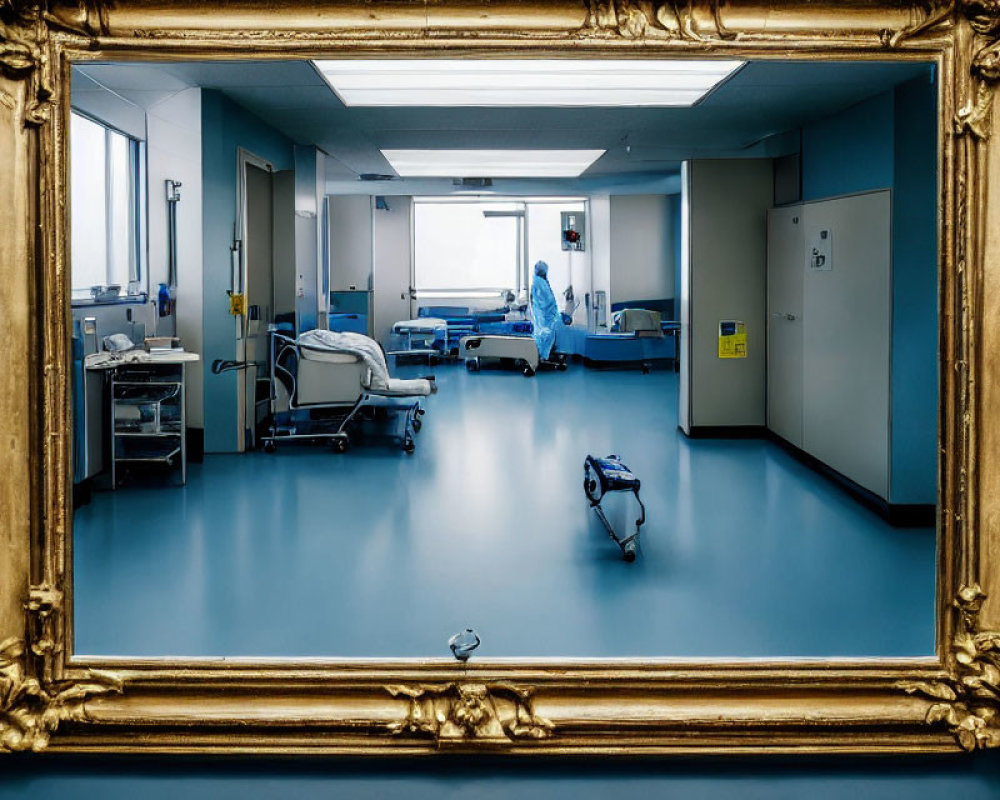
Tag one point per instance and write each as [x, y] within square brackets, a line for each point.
[473, 183]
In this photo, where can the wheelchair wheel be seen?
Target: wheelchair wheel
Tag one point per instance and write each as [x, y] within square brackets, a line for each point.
[528, 371]
[340, 445]
[270, 446]
[472, 365]
[417, 425]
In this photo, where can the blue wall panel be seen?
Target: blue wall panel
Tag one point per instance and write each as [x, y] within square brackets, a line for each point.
[849, 152]
[225, 128]
[889, 141]
[914, 294]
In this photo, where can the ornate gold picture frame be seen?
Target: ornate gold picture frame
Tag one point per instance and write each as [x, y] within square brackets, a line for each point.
[51, 699]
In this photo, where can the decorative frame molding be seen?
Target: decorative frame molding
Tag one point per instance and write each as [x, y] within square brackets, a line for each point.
[52, 699]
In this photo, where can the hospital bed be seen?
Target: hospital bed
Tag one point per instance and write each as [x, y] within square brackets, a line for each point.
[423, 337]
[437, 331]
[324, 382]
[519, 350]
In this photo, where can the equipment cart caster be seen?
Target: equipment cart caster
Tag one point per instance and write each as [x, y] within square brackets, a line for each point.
[603, 475]
[340, 445]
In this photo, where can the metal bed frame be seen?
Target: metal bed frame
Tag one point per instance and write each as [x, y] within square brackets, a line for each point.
[333, 419]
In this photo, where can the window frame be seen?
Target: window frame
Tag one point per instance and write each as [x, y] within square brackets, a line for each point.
[137, 223]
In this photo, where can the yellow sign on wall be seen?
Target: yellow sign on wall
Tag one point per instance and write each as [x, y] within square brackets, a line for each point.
[237, 303]
[732, 339]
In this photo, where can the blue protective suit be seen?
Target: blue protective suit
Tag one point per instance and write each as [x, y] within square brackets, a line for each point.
[544, 310]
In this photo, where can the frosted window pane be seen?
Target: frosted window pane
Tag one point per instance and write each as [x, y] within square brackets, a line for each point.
[456, 247]
[120, 187]
[88, 216]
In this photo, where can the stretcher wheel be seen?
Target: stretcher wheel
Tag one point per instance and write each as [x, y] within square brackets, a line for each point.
[562, 366]
[270, 446]
[628, 552]
[417, 425]
[472, 365]
[340, 445]
[409, 447]
[528, 372]
[646, 369]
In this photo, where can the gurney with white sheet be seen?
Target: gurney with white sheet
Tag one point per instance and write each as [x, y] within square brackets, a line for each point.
[325, 383]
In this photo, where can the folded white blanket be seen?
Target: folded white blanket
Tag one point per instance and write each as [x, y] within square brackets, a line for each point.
[355, 344]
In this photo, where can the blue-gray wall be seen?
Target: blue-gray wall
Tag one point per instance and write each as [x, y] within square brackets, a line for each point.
[914, 294]
[971, 778]
[225, 128]
[675, 220]
[889, 141]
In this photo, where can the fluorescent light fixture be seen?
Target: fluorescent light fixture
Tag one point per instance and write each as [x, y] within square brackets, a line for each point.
[491, 163]
[524, 82]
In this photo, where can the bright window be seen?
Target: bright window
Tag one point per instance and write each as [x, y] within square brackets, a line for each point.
[104, 198]
[466, 247]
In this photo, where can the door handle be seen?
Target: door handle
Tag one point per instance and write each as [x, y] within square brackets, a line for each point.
[790, 317]
[782, 315]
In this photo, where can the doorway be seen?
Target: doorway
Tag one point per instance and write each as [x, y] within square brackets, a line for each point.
[256, 283]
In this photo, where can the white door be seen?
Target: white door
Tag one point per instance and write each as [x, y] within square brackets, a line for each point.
[846, 336]
[391, 245]
[785, 268]
[259, 288]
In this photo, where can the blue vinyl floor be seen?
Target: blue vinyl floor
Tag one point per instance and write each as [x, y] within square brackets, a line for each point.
[746, 552]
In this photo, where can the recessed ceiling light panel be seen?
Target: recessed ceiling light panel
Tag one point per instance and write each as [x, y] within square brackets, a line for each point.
[491, 163]
[523, 82]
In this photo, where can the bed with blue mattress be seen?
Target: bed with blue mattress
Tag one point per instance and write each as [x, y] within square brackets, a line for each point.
[462, 321]
[625, 348]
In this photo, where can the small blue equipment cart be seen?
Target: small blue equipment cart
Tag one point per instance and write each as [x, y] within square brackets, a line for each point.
[603, 475]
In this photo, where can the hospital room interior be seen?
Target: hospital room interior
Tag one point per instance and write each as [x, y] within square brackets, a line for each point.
[596, 358]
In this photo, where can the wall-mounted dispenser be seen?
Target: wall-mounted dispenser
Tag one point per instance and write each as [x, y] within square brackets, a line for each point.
[573, 230]
[173, 198]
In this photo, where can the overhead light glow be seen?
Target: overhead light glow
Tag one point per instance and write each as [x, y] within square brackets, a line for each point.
[491, 163]
[524, 82]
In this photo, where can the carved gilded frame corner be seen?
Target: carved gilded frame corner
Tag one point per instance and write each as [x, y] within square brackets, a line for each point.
[51, 699]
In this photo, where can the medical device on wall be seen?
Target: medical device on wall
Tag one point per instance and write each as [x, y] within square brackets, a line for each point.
[173, 198]
[573, 224]
[598, 310]
[821, 251]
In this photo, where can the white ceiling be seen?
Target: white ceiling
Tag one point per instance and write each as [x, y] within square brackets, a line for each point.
[738, 119]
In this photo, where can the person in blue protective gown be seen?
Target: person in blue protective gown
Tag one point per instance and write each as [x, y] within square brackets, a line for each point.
[545, 311]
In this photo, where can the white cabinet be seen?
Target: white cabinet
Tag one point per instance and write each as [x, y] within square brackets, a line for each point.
[837, 263]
